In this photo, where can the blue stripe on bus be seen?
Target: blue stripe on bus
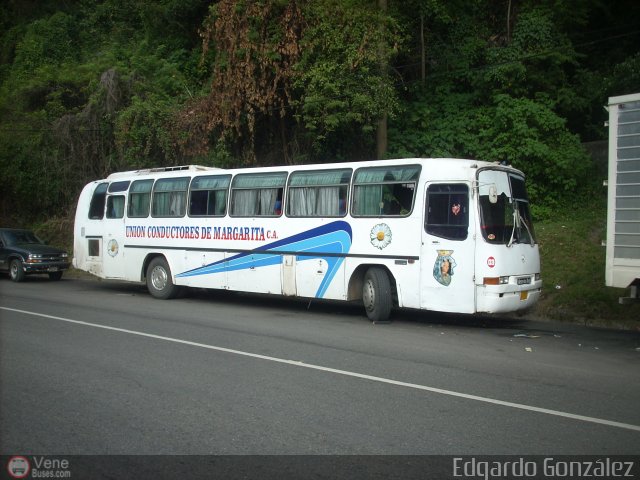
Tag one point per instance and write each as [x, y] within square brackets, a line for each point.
[333, 238]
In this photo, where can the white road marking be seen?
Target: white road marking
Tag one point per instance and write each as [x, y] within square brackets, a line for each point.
[347, 373]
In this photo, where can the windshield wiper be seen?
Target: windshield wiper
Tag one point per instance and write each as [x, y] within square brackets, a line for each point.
[524, 222]
[518, 221]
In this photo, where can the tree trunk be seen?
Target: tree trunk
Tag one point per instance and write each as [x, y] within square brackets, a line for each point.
[423, 51]
[381, 139]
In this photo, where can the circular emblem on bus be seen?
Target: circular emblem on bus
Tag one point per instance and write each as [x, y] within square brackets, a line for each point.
[380, 235]
[112, 247]
[491, 262]
[18, 467]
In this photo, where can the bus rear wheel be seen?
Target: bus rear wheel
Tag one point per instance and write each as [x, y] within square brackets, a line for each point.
[159, 281]
[376, 295]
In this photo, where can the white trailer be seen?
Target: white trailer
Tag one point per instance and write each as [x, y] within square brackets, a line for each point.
[623, 205]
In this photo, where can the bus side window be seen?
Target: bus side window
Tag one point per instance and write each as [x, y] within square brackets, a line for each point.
[170, 197]
[318, 194]
[257, 194]
[448, 211]
[139, 199]
[96, 208]
[208, 196]
[115, 206]
[384, 191]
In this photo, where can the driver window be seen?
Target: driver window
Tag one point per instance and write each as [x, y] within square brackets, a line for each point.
[448, 211]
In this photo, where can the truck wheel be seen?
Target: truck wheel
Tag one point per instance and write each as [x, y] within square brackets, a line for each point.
[159, 281]
[16, 272]
[376, 295]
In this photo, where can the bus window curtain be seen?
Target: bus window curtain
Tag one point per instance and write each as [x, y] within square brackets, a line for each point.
[328, 203]
[315, 201]
[139, 204]
[245, 203]
[268, 197]
[302, 201]
[115, 206]
[161, 204]
[367, 199]
[317, 193]
[220, 197]
[140, 198]
[177, 204]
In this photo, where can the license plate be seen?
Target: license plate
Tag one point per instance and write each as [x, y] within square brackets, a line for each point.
[52, 269]
[524, 295]
[524, 280]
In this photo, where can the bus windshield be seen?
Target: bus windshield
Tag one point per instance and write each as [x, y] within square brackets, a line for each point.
[504, 208]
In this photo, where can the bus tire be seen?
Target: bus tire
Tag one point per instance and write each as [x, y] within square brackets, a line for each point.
[16, 271]
[159, 281]
[376, 295]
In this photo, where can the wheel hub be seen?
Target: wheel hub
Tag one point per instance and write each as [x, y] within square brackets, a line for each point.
[159, 278]
[368, 296]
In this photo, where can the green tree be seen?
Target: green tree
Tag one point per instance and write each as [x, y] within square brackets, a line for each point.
[499, 93]
[87, 89]
[252, 48]
[341, 90]
[308, 74]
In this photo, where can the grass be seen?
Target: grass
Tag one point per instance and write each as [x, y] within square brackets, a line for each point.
[573, 264]
[573, 272]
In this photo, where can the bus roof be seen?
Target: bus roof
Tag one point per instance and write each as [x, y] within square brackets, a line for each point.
[148, 171]
[446, 164]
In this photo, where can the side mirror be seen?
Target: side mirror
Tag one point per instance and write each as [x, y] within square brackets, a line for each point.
[493, 194]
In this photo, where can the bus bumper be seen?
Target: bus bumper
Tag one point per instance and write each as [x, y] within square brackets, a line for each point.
[499, 299]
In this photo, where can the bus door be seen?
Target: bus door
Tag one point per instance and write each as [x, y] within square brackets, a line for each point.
[113, 238]
[448, 249]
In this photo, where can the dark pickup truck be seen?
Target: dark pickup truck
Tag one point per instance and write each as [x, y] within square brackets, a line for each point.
[23, 253]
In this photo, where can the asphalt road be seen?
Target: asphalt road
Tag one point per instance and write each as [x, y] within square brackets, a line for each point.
[94, 367]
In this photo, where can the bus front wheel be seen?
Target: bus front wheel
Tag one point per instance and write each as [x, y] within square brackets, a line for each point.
[376, 295]
[159, 281]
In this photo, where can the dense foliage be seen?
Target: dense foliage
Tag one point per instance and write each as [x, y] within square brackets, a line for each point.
[92, 87]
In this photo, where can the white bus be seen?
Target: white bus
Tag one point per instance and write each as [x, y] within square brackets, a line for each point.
[447, 235]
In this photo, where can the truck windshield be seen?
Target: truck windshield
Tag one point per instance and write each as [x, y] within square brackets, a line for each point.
[20, 237]
[504, 208]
